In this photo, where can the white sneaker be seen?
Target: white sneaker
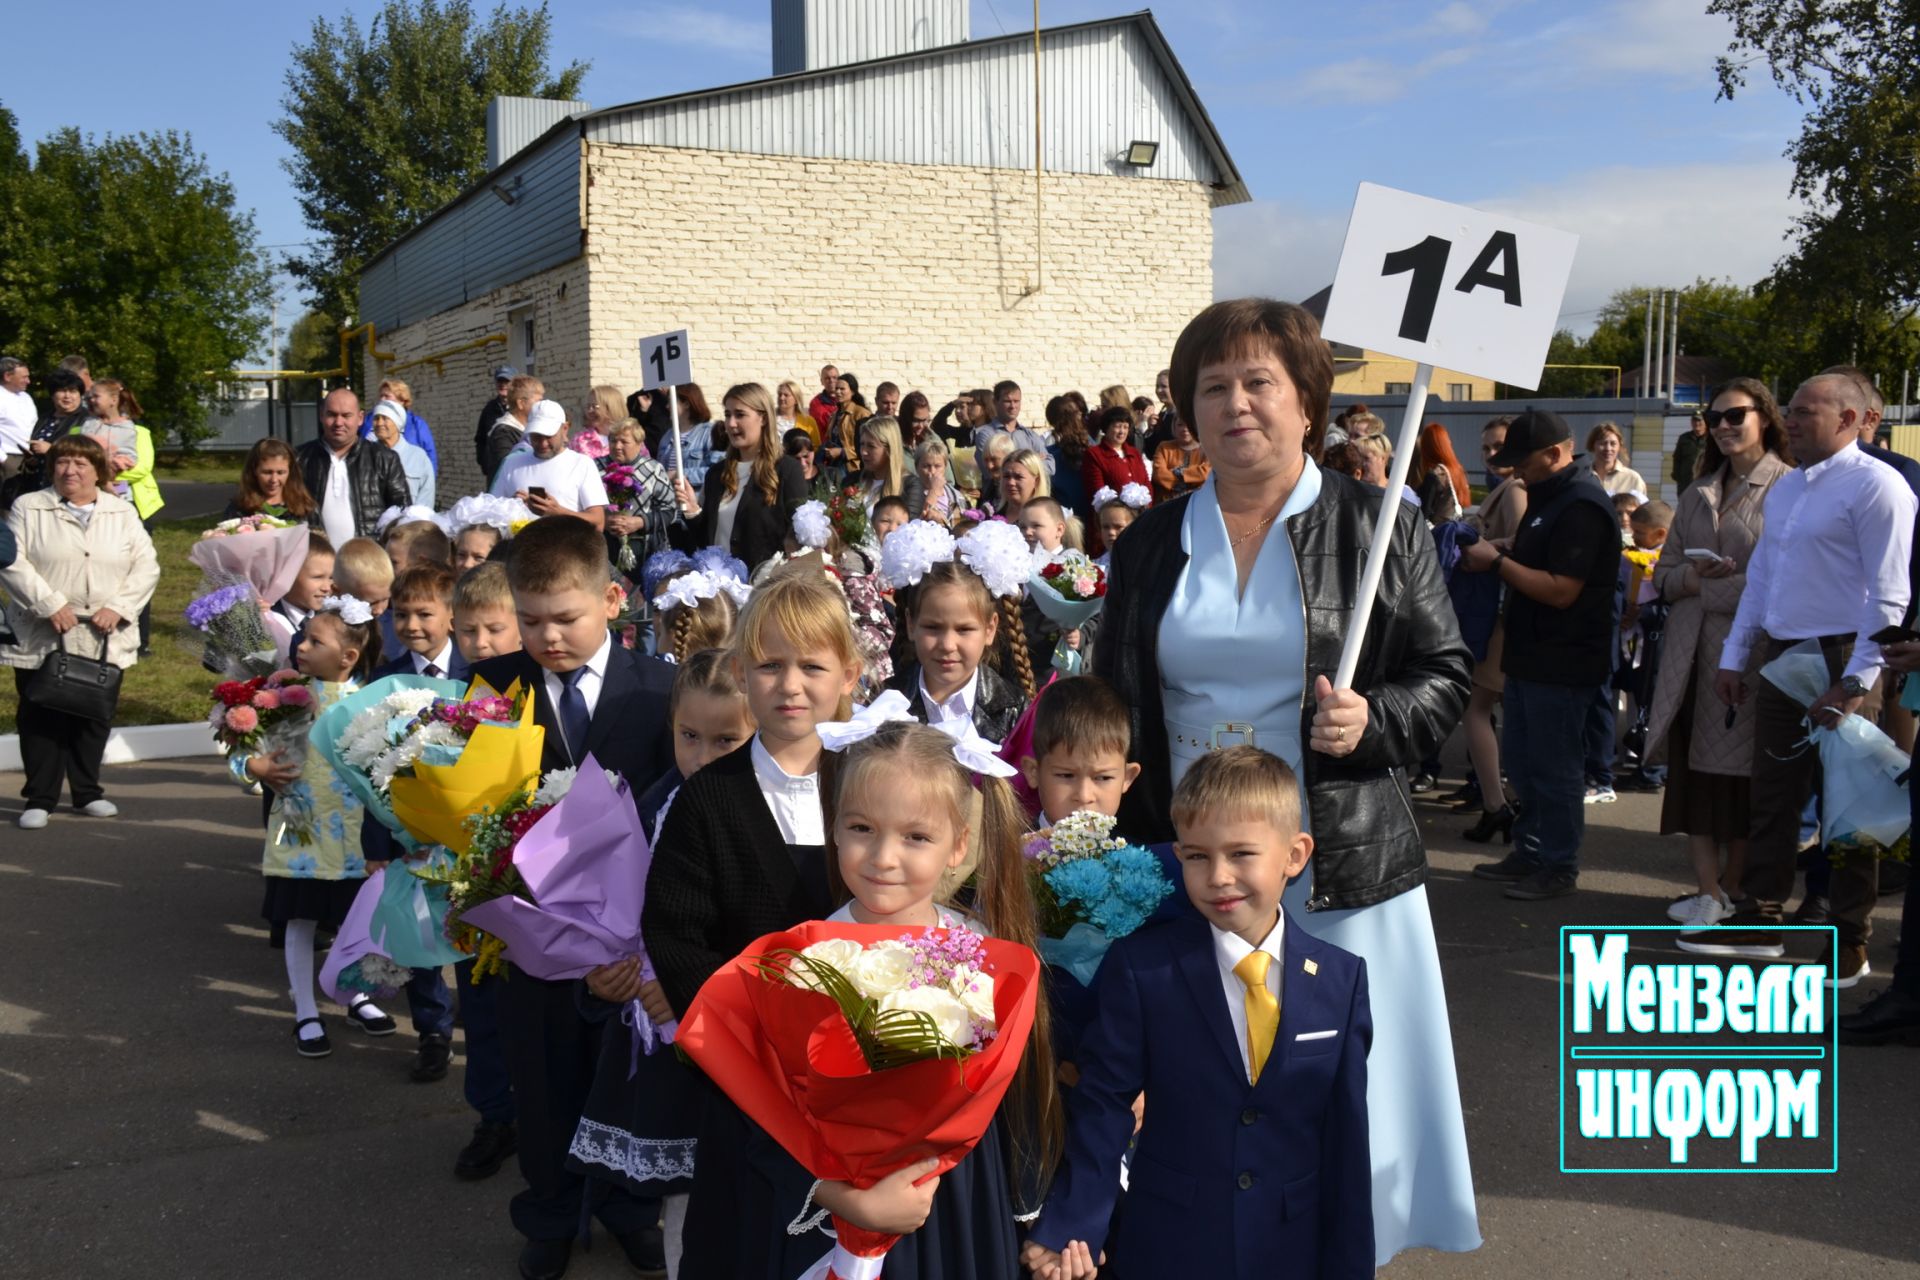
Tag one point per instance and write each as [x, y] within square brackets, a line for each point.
[1704, 912]
[1681, 909]
[1600, 795]
[33, 819]
[100, 809]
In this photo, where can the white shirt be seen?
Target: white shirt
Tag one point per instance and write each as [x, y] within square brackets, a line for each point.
[957, 705]
[589, 687]
[1229, 949]
[948, 917]
[1832, 558]
[794, 801]
[336, 504]
[17, 417]
[444, 661]
[729, 509]
[569, 478]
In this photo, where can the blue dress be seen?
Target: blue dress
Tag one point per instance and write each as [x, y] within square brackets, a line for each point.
[1210, 643]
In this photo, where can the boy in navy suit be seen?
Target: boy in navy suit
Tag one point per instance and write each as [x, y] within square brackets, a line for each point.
[1249, 1038]
[421, 606]
[593, 698]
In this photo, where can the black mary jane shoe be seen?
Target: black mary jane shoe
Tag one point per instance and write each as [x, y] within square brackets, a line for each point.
[373, 1025]
[315, 1047]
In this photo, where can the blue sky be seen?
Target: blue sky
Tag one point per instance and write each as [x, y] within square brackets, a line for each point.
[1598, 117]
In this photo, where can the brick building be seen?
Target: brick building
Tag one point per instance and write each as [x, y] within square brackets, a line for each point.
[876, 207]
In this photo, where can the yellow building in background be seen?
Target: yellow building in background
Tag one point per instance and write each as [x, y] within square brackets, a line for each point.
[1371, 374]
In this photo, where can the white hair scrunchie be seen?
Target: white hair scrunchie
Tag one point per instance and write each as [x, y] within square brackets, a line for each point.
[998, 552]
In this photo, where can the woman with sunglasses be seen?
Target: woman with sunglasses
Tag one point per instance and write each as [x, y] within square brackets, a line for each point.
[1607, 451]
[1708, 745]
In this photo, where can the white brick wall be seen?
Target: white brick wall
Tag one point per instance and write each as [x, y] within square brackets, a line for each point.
[778, 265]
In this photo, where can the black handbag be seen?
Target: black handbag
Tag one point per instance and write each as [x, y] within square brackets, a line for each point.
[77, 686]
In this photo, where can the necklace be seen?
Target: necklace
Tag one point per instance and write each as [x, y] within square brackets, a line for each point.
[1233, 544]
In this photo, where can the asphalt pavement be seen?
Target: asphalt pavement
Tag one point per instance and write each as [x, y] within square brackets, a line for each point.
[155, 1121]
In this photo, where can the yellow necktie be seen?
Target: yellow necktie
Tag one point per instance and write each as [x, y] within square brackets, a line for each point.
[1263, 1010]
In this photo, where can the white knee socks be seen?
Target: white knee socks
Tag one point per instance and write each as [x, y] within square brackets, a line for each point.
[674, 1224]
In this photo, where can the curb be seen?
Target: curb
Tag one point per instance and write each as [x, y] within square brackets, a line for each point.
[127, 746]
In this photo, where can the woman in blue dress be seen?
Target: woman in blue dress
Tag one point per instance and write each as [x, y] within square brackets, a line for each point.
[1226, 611]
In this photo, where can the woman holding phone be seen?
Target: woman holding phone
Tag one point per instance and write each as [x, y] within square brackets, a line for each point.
[1701, 572]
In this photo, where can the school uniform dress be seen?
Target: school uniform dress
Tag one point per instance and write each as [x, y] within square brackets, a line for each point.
[1422, 1181]
[552, 1052]
[991, 701]
[742, 854]
[1231, 1176]
[311, 859]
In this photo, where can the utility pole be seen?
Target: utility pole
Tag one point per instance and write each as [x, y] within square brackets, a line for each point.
[1660, 348]
[1646, 355]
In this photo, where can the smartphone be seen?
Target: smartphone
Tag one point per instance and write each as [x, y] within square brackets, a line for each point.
[534, 490]
[1894, 635]
[1701, 553]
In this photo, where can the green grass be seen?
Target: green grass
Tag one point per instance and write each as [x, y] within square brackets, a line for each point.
[169, 686]
[199, 466]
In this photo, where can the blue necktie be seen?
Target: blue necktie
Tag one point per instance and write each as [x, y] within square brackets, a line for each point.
[573, 714]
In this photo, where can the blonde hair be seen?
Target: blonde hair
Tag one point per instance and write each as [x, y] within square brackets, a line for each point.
[1373, 444]
[1000, 445]
[530, 389]
[905, 754]
[808, 610]
[1609, 429]
[705, 624]
[627, 429]
[766, 473]
[612, 405]
[484, 586]
[1361, 426]
[932, 447]
[400, 391]
[1240, 782]
[886, 429]
[1036, 466]
[1115, 397]
[792, 388]
[707, 671]
[361, 562]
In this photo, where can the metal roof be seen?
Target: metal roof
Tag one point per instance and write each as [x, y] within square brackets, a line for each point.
[649, 114]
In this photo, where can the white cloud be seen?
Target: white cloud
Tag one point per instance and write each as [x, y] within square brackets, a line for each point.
[1457, 20]
[692, 26]
[1636, 226]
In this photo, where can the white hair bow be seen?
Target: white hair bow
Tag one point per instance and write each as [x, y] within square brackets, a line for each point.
[889, 707]
[689, 589]
[973, 751]
[352, 610]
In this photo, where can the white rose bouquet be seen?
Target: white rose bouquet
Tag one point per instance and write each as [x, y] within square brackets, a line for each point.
[921, 995]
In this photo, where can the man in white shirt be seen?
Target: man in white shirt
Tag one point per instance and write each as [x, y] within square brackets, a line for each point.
[353, 480]
[1830, 567]
[551, 478]
[18, 414]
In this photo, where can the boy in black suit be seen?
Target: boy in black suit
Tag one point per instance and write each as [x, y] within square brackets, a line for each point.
[593, 698]
[421, 606]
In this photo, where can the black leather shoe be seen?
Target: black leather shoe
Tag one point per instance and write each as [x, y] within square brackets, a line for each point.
[1493, 822]
[313, 1046]
[482, 1157]
[1514, 867]
[1892, 1017]
[646, 1249]
[545, 1259]
[430, 1063]
[381, 1025]
[1547, 882]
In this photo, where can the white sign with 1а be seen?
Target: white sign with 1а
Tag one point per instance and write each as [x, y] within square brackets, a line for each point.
[1448, 286]
[665, 360]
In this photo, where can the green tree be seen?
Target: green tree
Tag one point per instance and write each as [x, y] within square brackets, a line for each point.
[131, 252]
[312, 343]
[388, 124]
[1852, 281]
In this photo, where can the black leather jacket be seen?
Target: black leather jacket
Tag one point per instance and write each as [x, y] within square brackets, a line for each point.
[375, 479]
[1413, 672]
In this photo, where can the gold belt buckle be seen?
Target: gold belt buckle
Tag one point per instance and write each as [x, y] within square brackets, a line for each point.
[1231, 733]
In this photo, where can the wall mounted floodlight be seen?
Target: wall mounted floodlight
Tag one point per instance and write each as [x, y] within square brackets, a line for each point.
[509, 193]
[1140, 154]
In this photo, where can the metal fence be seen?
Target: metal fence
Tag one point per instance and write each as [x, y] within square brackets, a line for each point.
[236, 424]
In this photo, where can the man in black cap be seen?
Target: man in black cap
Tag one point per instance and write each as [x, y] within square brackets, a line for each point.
[1560, 572]
[491, 412]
